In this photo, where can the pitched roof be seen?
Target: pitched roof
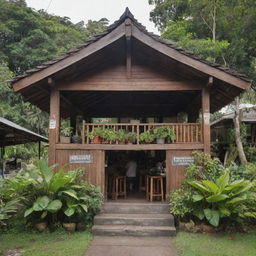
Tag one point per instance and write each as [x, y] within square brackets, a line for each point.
[14, 134]
[125, 15]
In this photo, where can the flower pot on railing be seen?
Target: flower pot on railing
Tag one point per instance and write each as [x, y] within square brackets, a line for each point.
[160, 141]
[65, 134]
[96, 140]
[76, 139]
[163, 133]
[146, 137]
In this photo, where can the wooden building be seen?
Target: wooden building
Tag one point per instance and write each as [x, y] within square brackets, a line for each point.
[129, 72]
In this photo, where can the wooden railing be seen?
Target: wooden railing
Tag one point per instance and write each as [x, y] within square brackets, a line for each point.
[184, 132]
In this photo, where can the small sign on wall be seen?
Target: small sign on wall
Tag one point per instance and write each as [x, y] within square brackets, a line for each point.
[81, 159]
[52, 124]
[182, 160]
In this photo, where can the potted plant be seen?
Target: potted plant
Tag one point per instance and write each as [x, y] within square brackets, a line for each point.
[107, 136]
[162, 133]
[65, 134]
[75, 207]
[120, 136]
[146, 137]
[95, 135]
[130, 137]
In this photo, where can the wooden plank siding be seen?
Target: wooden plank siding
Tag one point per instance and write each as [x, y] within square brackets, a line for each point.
[142, 78]
[94, 172]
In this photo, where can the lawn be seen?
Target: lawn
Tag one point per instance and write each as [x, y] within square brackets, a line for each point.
[189, 244]
[58, 243]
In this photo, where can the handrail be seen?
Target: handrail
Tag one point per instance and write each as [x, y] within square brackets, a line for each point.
[184, 132]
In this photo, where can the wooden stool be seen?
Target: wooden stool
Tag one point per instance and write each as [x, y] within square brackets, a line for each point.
[154, 187]
[119, 187]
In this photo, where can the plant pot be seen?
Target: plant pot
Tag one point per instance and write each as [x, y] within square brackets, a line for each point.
[76, 139]
[129, 143]
[160, 141]
[105, 142]
[64, 140]
[80, 226]
[70, 227]
[96, 140]
[121, 142]
[41, 226]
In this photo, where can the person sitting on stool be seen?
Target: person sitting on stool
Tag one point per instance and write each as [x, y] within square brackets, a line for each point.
[131, 172]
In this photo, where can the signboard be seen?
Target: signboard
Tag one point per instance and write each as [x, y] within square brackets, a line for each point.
[182, 160]
[52, 124]
[207, 118]
[81, 159]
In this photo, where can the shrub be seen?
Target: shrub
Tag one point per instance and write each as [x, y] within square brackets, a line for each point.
[212, 192]
[181, 203]
[48, 195]
[221, 198]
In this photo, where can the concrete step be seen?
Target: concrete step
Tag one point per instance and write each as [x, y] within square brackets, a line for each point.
[134, 219]
[133, 230]
[136, 208]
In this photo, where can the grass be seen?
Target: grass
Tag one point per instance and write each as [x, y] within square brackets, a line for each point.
[189, 244]
[58, 243]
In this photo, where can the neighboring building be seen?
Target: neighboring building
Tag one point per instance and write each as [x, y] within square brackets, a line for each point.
[13, 134]
[129, 72]
[222, 131]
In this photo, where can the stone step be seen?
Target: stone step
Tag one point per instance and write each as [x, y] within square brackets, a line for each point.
[134, 219]
[136, 208]
[132, 230]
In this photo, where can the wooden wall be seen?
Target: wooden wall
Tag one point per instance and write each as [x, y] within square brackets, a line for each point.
[175, 173]
[94, 172]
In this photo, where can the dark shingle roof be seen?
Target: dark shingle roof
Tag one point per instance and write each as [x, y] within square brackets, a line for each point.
[125, 15]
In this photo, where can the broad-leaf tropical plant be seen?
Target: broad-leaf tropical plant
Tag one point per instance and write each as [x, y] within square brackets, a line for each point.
[220, 198]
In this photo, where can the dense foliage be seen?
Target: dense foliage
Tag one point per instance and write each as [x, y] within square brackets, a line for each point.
[53, 197]
[218, 30]
[216, 194]
[28, 38]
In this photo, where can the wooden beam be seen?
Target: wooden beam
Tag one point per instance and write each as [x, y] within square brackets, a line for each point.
[206, 119]
[174, 146]
[130, 86]
[128, 36]
[114, 35]
[210, 82]
[186, 60]
[54, 125]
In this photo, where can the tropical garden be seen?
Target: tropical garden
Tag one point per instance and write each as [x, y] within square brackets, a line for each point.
[215, 208]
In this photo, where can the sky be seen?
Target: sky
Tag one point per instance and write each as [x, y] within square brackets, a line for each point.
[84, 10]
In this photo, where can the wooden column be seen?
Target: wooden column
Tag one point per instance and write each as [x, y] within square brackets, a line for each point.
[54, 125]
[206, 119]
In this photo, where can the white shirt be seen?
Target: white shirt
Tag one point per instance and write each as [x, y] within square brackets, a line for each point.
[131, 169]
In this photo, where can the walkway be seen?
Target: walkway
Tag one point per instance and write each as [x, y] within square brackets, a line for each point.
[131, 246]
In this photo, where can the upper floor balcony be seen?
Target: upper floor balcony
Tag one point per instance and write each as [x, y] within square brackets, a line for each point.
[139, 136]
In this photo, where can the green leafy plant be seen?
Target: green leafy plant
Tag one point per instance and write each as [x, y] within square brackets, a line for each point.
[120, 135]
[108, 135]
[130, 137]
[7, 210]
[164, 132]
[220, 199]
[44, 206]
[66, 131]
[146, 137]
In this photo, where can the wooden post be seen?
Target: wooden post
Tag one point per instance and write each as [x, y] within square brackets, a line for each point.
[54, 125]
[206, 119]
